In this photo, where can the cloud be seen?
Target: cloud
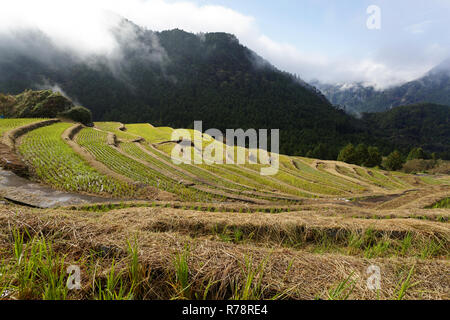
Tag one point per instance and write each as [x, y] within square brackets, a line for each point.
[47, 85]
[419, 28]
[84, 28]
[73, 25]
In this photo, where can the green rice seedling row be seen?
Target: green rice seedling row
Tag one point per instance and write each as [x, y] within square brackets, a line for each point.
[11, 124]
[113, 127]
[95, 142]
[55, 163]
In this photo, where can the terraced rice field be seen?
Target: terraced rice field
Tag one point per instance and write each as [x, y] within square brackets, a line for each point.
[141, 154]
[441, 204]
[114, 127]
[150, 133]
[55, 163]
[10, 124]
[311, 231]
[149, 162]
[95, 142]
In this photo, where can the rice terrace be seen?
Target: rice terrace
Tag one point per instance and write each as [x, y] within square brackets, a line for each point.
[145, 228]
[224, 159]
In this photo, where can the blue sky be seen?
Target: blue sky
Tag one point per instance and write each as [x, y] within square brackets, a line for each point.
[414, 34]
[340, 25]
[327, 40]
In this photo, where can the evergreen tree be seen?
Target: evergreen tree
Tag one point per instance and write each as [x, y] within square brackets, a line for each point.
[394, 161]
[348, 154]
[416, 153]
[374, 157]
[362, 154]
[319, 152]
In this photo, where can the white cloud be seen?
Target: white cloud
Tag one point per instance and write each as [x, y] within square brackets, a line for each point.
[419, 28]
[83, 26]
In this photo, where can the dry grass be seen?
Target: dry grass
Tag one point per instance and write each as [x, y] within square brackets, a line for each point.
[216, 269]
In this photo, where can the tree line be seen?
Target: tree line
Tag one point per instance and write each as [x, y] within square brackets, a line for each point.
[370, 156]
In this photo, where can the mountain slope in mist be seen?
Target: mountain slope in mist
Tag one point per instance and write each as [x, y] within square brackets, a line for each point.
[434, 87]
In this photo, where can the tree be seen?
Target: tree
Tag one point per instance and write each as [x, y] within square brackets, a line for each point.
[78, 114]
[319, 152]
[374, 158]
[348, 154]
[394, 161]
[361, 154]
[416, 153]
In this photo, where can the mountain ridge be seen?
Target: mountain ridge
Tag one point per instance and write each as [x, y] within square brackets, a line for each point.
[432, 87]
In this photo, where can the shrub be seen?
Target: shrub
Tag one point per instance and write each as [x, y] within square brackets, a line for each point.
[78, 114]
[418, 165]
[416, 153]
[394, 161]
[433, 166]
[361, 154]
[374, 157]
[348, 154]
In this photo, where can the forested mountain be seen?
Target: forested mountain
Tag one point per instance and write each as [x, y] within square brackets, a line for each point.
[434, 87]
[423, 125]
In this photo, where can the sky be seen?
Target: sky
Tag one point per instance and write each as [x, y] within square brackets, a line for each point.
[325, 40]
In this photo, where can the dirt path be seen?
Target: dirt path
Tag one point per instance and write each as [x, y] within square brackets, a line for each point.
[417, 199]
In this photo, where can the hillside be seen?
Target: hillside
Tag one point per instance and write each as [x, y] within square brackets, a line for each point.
[424, 125]
[164, 231]
[34, 104]
[174, 78]
[434, 87]
[381, 129]
[42, 104]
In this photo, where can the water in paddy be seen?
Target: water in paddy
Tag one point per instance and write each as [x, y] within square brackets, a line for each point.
[17, 189]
